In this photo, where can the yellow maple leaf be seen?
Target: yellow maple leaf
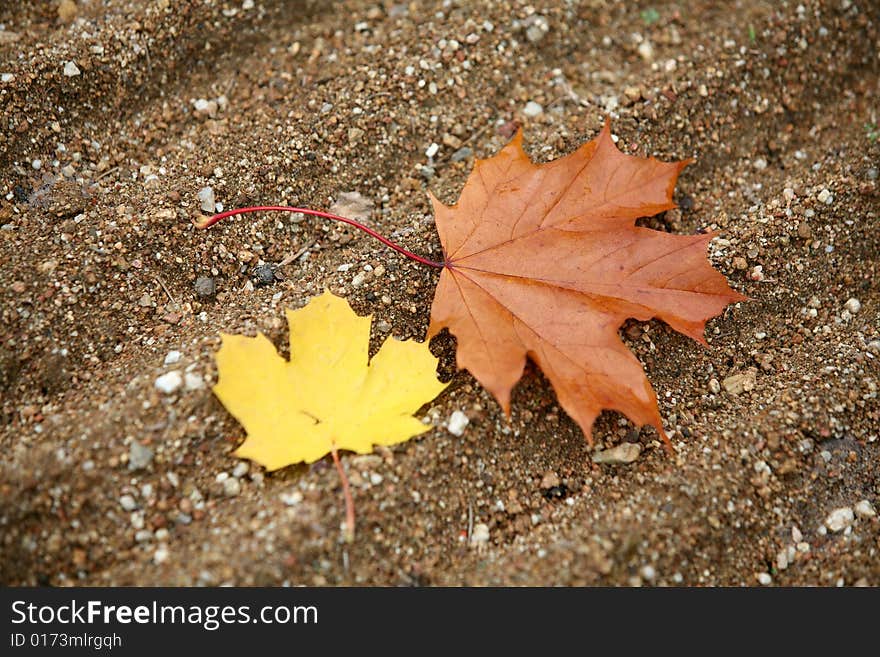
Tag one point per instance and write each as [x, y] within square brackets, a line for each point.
[326, 397]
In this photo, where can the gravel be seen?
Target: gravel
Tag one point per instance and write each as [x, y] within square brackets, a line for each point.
[619, 454]
[128, 503]
[139, 456]
[853, 305]
[206, 200]
[172, 357]
[864, 509]
[480, 535]
[839, 519]
[71, 69]
[457, 423]
[231, 487]
[205, 286]
[532, 109]
[169, 382]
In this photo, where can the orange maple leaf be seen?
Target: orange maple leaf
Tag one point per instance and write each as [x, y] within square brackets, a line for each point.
[545, 261]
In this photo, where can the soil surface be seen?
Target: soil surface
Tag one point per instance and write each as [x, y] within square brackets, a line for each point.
[114, 114]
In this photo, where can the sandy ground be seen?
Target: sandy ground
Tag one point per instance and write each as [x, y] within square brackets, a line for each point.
[116, 113]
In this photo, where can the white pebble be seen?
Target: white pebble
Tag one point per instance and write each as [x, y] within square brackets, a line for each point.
[865, 509]
[127, 502]
[825, 197]
[533, 109]
[457, 423]
[480, 535]
[169, 382]
[292, 498]
[764, 579]
[240, 469]
[172, 357]
[206, 199]
[7, 77]
[796, 535]
[853, 305]
[37, 164]
[193, 381]
[839, 519]
[71, 69]
[432, 150]
[646, 51]
[161, 555]
[231, 487]
[623, 453]
[375, 478]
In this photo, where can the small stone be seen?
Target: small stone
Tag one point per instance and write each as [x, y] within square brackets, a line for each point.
[825, 197]
[143, 535]
[796, 534]
[172, 357]
[760, 164]
[240, 470]
[206, 200]
[462, 154]
[782, 560]
[353, 205]
[872, 173]
[646, 51]
[71, 69]
[161, 555]
[292, 498]
[740, 263]
[550, 480]
[457, 423]
[865, 509]
[533, 109]
[7, 77]
[764, 579]
[536, 28]
[480, 534]
[738, 383]
[358, 279]
[139, 456]
[231, 487]
[169, 382]
[623, 453]
[714, 386]
[853, 305]
[839, 519]
[633, 93]
[205, 286]
[432, 150]
[193, 381]
[264, 274]
[128, 503]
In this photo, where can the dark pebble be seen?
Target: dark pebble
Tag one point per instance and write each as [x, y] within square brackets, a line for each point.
[687, 203]
[205, 286]
[21, 194]
[555, 492]
[264, 275]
